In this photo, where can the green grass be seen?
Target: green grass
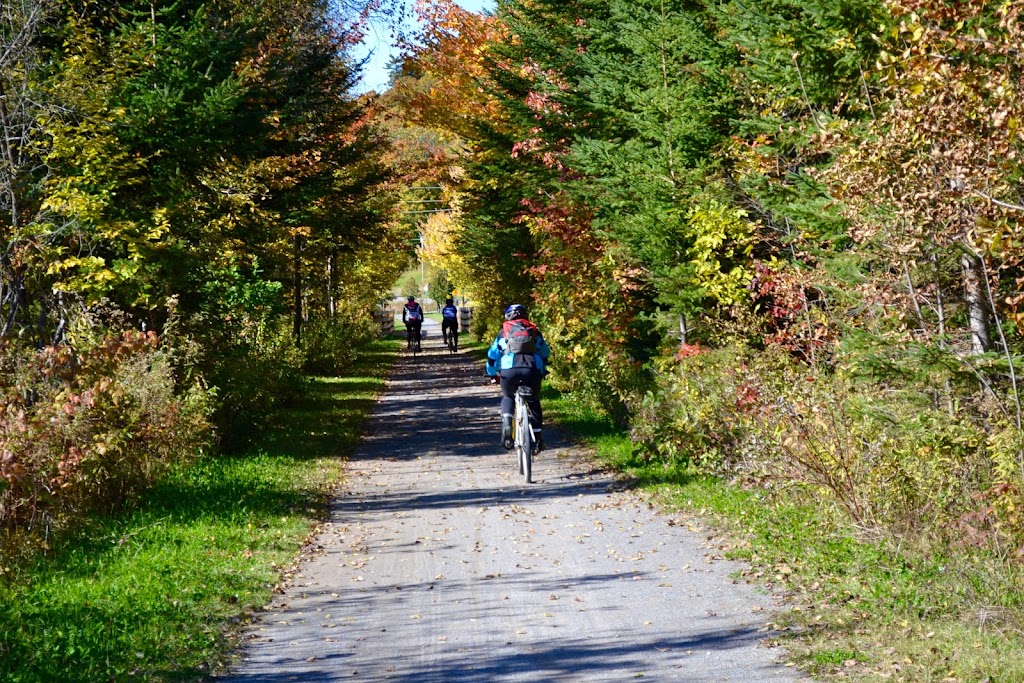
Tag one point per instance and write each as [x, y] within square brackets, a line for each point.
[159, 594]
[477, 350]
[860, 610]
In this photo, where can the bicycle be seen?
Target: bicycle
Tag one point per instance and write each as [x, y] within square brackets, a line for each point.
[413, 339]
[522, 433]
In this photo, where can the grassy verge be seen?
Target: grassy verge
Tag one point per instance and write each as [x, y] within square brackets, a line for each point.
[159, 594]
[859, 609]
[477, 350]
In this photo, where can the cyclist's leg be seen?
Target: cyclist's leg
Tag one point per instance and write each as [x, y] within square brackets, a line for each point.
[536, 413]
[509, 383]
[408, 335]
[417, 333]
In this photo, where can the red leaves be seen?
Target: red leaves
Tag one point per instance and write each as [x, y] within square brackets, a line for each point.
[689, 351]
[82, 428]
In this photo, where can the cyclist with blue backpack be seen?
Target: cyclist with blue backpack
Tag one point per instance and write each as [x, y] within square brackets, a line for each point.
[450, 322]
[517, 356]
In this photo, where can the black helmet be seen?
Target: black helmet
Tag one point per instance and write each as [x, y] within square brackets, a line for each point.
[449, 301]
[515, 311]
[412, 298]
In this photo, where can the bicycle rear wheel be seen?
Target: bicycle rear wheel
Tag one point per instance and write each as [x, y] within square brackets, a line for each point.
[524, 441]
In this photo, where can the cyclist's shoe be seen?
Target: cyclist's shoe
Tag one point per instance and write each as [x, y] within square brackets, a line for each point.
[538, 444]
[506, 432]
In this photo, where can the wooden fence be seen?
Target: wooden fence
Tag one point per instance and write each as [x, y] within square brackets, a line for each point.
[384, 317]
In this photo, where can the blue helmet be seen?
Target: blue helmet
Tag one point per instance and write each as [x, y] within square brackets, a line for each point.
[515, 311]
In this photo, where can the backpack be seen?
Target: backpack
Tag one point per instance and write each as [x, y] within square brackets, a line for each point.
[413, 313]
[521, 335]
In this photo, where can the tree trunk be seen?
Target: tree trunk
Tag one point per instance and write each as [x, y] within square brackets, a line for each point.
[332, 278]
[974, 297]
[297, 291]
[682, 330]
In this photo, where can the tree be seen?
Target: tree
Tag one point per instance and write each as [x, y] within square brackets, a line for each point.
[24, 111]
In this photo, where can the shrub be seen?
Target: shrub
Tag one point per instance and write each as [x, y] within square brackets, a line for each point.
[330, 346]
[889, 458]
[254, 378]
[691, 415]
[89, 429]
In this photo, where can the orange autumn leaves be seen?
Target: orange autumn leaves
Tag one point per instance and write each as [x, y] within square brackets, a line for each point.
[450, 61]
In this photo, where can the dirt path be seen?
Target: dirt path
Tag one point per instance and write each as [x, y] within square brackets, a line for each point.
[439, 565]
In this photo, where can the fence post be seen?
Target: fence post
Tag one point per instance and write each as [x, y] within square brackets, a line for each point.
[385, 318]
[465, 318]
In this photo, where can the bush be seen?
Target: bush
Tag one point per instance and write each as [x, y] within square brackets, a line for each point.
[691, 415]
[890, 459]
[254, 378]
[331, 346]
[89, 429]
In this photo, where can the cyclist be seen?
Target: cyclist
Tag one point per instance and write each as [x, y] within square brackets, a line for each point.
[412, 316]
[517, 356]
[450, 321]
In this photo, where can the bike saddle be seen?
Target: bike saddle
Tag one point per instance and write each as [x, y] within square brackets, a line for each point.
[525, 392]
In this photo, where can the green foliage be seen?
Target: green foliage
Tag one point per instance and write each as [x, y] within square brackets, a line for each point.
[255, 378]
[409, 286]
[690, 416]
[331, 346]
[716, 272]
[212, 153]
[440, 286]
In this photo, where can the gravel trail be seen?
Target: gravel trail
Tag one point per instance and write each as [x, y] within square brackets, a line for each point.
[439, 565]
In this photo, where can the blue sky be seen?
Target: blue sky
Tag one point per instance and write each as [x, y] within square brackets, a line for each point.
[378, 41]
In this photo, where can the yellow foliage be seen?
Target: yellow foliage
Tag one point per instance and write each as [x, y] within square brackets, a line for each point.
[440, 233]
